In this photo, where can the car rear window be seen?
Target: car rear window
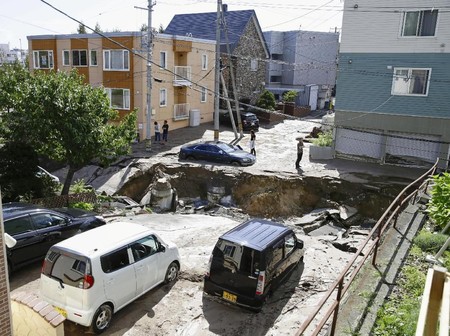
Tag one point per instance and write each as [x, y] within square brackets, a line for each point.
[67, 268]
[235, 257]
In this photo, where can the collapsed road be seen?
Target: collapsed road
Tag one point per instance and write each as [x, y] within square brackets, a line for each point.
[329, 204]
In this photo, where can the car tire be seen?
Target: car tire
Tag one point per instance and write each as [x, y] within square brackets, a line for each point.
[190, 157]
[172, 272]
[102, 318]
[235, 163]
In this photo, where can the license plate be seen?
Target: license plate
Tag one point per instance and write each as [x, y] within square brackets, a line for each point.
[61, 311]
[229, 297]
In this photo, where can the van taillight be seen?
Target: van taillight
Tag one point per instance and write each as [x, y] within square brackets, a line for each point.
[260, 284]
[88, 281]
[43, 266]
[208, 268]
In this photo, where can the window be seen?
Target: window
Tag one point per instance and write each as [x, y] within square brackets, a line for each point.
[203, 95]
[163, 97]
[408, 81]
[66, 57]
[43, 59]
[277, 255]
[419, 23]
[163, 59]
[116, 60]
[253, 64]
[119, 98]
[93, 58]
[115, 261]
[289, 244]
[18, 225]
[204, 62]
[79, 57]
[144, 247]
[45, 220]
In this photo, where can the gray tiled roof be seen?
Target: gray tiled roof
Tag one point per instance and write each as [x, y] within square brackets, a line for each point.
[203, 25]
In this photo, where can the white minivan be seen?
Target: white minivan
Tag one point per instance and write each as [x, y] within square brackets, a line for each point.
[89, 277]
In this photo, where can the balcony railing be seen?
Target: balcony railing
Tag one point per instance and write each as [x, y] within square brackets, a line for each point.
[180, 111]
[182, 76]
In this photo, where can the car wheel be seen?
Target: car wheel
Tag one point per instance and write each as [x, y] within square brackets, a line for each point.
[172, 272]
[190, 157]
[235, 163]
[102, 318]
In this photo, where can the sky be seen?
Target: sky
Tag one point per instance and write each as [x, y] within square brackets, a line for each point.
[22, 18]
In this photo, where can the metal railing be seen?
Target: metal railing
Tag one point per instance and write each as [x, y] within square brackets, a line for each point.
[180, 111]
[182, 76]
[370, 244]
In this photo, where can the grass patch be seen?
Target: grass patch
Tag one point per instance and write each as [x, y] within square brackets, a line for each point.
[430, 242]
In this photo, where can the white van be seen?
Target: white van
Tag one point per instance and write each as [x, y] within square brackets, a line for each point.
[92, 275]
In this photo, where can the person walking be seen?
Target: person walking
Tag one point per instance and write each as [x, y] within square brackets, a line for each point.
[252, 142]
[165, 129]
[300, 146]
[157, 132]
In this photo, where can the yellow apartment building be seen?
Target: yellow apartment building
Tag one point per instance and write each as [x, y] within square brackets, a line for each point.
[182, 73]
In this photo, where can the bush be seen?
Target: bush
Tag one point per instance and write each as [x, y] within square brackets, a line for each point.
[430, 242]
[324, 139]
[438, 206]
[79, 187]
[266, 100]
[289, 96]
[83, 205]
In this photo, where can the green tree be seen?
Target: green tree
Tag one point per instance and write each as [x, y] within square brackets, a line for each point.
[266, 100]
[97, 28]
[439, 204]
[81, 28]
[11, 75]
[68, 121]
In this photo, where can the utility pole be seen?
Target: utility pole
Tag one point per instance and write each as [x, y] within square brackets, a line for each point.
[217, 74]
[148, 138]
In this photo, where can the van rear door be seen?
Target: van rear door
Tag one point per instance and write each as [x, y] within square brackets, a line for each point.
[235, 268]
[63, 280]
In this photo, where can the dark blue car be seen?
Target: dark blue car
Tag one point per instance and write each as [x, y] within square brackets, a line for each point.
[217, 151]
[36, 228]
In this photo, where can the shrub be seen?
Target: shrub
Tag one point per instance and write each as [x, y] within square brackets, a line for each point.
[266, 100]
[438, 206]
[79, 187]
[324, 139]
[289, 96]
[430, 242]
[83, 205]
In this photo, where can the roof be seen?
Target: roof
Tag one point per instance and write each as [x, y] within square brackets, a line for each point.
[104, 238]
[14, 209]
[256, 233]
[203, 25]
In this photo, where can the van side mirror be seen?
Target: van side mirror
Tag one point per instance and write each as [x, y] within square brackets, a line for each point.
[300, 244]
[162, 248]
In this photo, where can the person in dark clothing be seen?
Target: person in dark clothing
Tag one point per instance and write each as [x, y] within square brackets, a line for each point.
[252, 142]
[300, 146]
[165, 129]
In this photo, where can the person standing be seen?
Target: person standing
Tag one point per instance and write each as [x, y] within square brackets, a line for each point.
[300, 146]
[252, 142]
[165, 129]
[157, 132]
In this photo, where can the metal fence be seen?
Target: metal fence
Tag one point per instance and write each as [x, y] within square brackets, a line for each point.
[343, 282]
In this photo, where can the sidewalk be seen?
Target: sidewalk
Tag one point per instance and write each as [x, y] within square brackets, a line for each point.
[374, 284]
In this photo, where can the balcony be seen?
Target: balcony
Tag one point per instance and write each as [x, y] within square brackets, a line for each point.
[182, 76]
[180, 111]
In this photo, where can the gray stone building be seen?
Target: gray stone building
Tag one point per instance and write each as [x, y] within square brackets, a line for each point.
[240, 30]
